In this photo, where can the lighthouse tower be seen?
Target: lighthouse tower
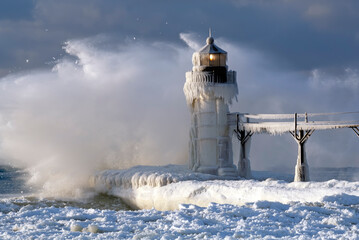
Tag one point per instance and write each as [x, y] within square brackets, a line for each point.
[209, 89]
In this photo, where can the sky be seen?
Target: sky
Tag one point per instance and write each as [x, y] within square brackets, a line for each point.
[302, 34]
[290, 56]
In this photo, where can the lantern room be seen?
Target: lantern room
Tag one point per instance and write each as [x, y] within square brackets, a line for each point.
[211, 60]
[211, 55]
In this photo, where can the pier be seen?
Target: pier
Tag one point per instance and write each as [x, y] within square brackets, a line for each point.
[301, 128]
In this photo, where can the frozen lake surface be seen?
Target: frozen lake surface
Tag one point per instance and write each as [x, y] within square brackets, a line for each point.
[331, 213]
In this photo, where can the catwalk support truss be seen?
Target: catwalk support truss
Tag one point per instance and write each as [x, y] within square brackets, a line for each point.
[245, 125]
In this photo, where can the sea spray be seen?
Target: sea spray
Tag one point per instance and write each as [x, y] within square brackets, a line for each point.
[106, 109]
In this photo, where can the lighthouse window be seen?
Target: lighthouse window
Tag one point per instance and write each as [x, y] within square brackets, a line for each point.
[213, 59]
[222, 60]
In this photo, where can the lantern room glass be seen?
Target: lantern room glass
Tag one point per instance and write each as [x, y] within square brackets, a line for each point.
[213, 59]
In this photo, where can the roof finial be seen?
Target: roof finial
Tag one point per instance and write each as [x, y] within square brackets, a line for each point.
[210, 39]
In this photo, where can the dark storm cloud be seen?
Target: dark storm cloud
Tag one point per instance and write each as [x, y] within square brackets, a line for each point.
[302, 34]
[305, 33]
[16, 9]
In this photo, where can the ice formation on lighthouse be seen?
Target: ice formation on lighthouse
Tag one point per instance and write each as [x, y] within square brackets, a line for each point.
[209, 89]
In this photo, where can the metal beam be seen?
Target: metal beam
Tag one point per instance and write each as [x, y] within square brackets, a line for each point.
[307, 135]
[243, 136]
[295, 125]
[306, 117]
[304, 138]
[356, 130]
[247, 136]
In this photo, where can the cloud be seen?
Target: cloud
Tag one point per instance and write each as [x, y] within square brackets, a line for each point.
[302, 33]
[349, 79]
[21, 9]
[318, 11]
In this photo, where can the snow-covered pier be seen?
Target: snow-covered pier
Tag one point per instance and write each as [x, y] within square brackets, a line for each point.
[301, 128]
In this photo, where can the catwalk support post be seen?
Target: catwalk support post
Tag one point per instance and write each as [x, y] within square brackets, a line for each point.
[244, 137]
[301, 136]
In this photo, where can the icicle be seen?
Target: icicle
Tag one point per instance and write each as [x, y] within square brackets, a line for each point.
[198, 84]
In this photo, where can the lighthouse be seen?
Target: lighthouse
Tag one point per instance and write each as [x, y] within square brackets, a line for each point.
[209, 89]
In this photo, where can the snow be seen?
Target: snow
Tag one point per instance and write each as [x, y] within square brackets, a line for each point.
[153, 176]
[269, 116]
[283, 127]
[199, 190]
[274, 126]
[279, 127]
[270, 209]
[291, 116]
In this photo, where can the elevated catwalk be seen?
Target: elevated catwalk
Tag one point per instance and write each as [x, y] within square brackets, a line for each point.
[301, 128]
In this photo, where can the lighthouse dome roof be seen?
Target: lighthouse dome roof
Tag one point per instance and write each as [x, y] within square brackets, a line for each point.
[211, 48]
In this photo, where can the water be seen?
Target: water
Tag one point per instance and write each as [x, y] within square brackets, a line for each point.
[12, 181]
[13, 187]
[350, 174]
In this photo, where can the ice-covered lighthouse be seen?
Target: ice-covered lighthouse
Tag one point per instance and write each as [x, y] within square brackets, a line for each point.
[209, 89]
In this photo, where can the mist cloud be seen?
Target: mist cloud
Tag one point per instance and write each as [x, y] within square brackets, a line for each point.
[107, 109]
